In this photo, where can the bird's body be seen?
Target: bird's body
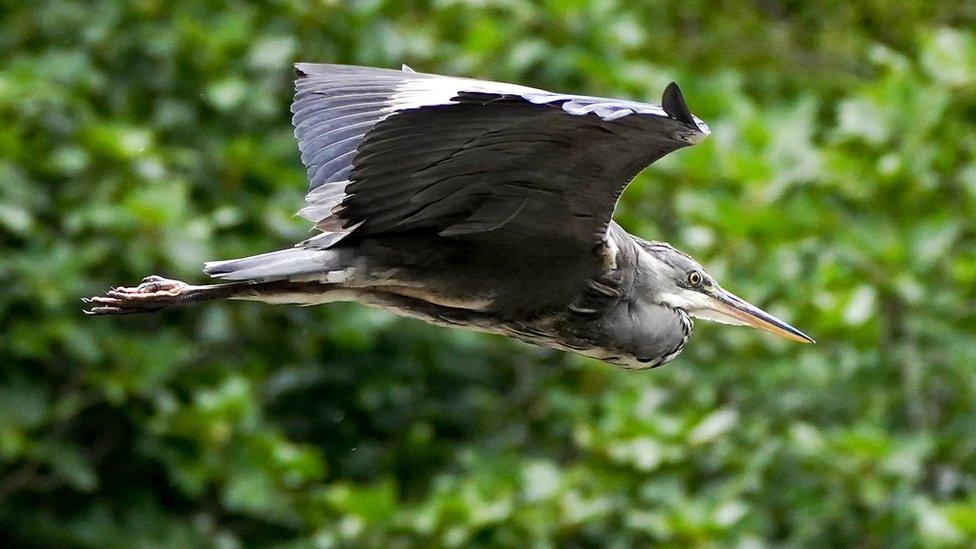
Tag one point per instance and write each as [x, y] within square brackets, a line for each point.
[481, 205]
[464, 285]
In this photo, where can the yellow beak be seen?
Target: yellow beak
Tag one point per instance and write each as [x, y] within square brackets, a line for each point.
[737, 311]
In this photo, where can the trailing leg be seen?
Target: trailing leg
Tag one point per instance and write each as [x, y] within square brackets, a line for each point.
[156, 293]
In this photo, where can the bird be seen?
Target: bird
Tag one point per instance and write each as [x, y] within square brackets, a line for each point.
[480, 205]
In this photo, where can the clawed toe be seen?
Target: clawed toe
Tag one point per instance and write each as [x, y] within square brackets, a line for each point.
[154, 293]
[151, 286]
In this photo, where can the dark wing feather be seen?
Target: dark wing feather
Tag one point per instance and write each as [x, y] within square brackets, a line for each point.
[393, 152]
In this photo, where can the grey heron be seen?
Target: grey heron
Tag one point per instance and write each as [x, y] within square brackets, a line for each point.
[480, 205]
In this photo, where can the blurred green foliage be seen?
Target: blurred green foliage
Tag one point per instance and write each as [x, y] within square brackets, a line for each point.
[838, 189]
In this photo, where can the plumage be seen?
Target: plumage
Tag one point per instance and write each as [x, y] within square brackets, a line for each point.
[482, 205]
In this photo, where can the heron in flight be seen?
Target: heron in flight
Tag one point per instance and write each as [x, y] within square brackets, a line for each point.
[479, 205]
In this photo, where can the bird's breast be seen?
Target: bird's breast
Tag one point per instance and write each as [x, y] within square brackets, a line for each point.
[631, 333]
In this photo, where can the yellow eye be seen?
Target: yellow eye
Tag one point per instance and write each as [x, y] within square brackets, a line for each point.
[694, 278]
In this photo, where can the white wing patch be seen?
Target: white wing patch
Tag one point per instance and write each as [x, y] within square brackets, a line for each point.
[430, 90]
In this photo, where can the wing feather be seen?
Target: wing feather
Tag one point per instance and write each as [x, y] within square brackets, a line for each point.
[396, 151]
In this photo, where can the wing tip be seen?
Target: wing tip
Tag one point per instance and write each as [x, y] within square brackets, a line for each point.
[674, 105]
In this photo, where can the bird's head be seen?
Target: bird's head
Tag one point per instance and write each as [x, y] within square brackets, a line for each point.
[678, 281]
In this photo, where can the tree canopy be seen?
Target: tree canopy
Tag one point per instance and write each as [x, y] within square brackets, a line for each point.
[838, 189]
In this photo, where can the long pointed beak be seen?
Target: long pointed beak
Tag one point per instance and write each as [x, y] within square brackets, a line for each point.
[738, 311]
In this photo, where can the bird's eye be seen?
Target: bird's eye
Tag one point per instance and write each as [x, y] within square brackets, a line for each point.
[694, 278]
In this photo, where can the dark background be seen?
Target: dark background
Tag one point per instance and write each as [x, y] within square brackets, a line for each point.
[838, 190]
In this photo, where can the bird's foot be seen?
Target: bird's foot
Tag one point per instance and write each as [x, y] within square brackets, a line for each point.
[153, 294]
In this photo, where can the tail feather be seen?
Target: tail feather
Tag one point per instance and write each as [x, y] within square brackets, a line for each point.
[283, 264]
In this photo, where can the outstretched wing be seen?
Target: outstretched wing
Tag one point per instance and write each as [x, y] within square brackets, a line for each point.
[398, 151]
